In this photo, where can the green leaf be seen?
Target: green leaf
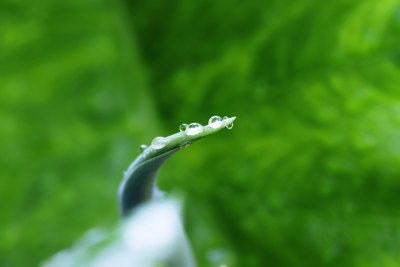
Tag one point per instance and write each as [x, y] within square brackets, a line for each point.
[139, 183]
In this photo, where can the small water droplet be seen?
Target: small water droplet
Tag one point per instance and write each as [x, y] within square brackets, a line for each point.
[230, 125]
[215, 122]
[159, 142]
[186, 144]
[142, 148]
[194, 128]
[183, 127]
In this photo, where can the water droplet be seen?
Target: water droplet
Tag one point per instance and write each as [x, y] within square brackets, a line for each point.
[142, 148]
[215, 122]
[159, 142]
[186, 144]
[194, 128]
[230, 125]
[183, 127]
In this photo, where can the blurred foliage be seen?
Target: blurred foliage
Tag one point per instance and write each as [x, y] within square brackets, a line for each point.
[309, 176]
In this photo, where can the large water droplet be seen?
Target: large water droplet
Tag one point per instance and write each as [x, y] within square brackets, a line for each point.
[194, 128]
[159, 142]
[215, 122]
[142, 148]
[183, 127]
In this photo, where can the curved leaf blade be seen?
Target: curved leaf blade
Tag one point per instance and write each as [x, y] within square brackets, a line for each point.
[139, 182]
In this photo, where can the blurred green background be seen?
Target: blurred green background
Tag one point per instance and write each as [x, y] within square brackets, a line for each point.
[309, 175]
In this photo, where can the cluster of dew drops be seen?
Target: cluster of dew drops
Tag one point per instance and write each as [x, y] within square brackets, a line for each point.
[189, 129]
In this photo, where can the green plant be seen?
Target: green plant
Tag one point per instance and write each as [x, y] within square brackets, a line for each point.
[139, 183]
[153, 234]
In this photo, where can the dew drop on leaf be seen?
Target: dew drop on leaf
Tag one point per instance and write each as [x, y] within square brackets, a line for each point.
[194, 128]
[183, 127]
[230, 125]
[142, 148]
[215, 122]
[159, 142]
[185, 144]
